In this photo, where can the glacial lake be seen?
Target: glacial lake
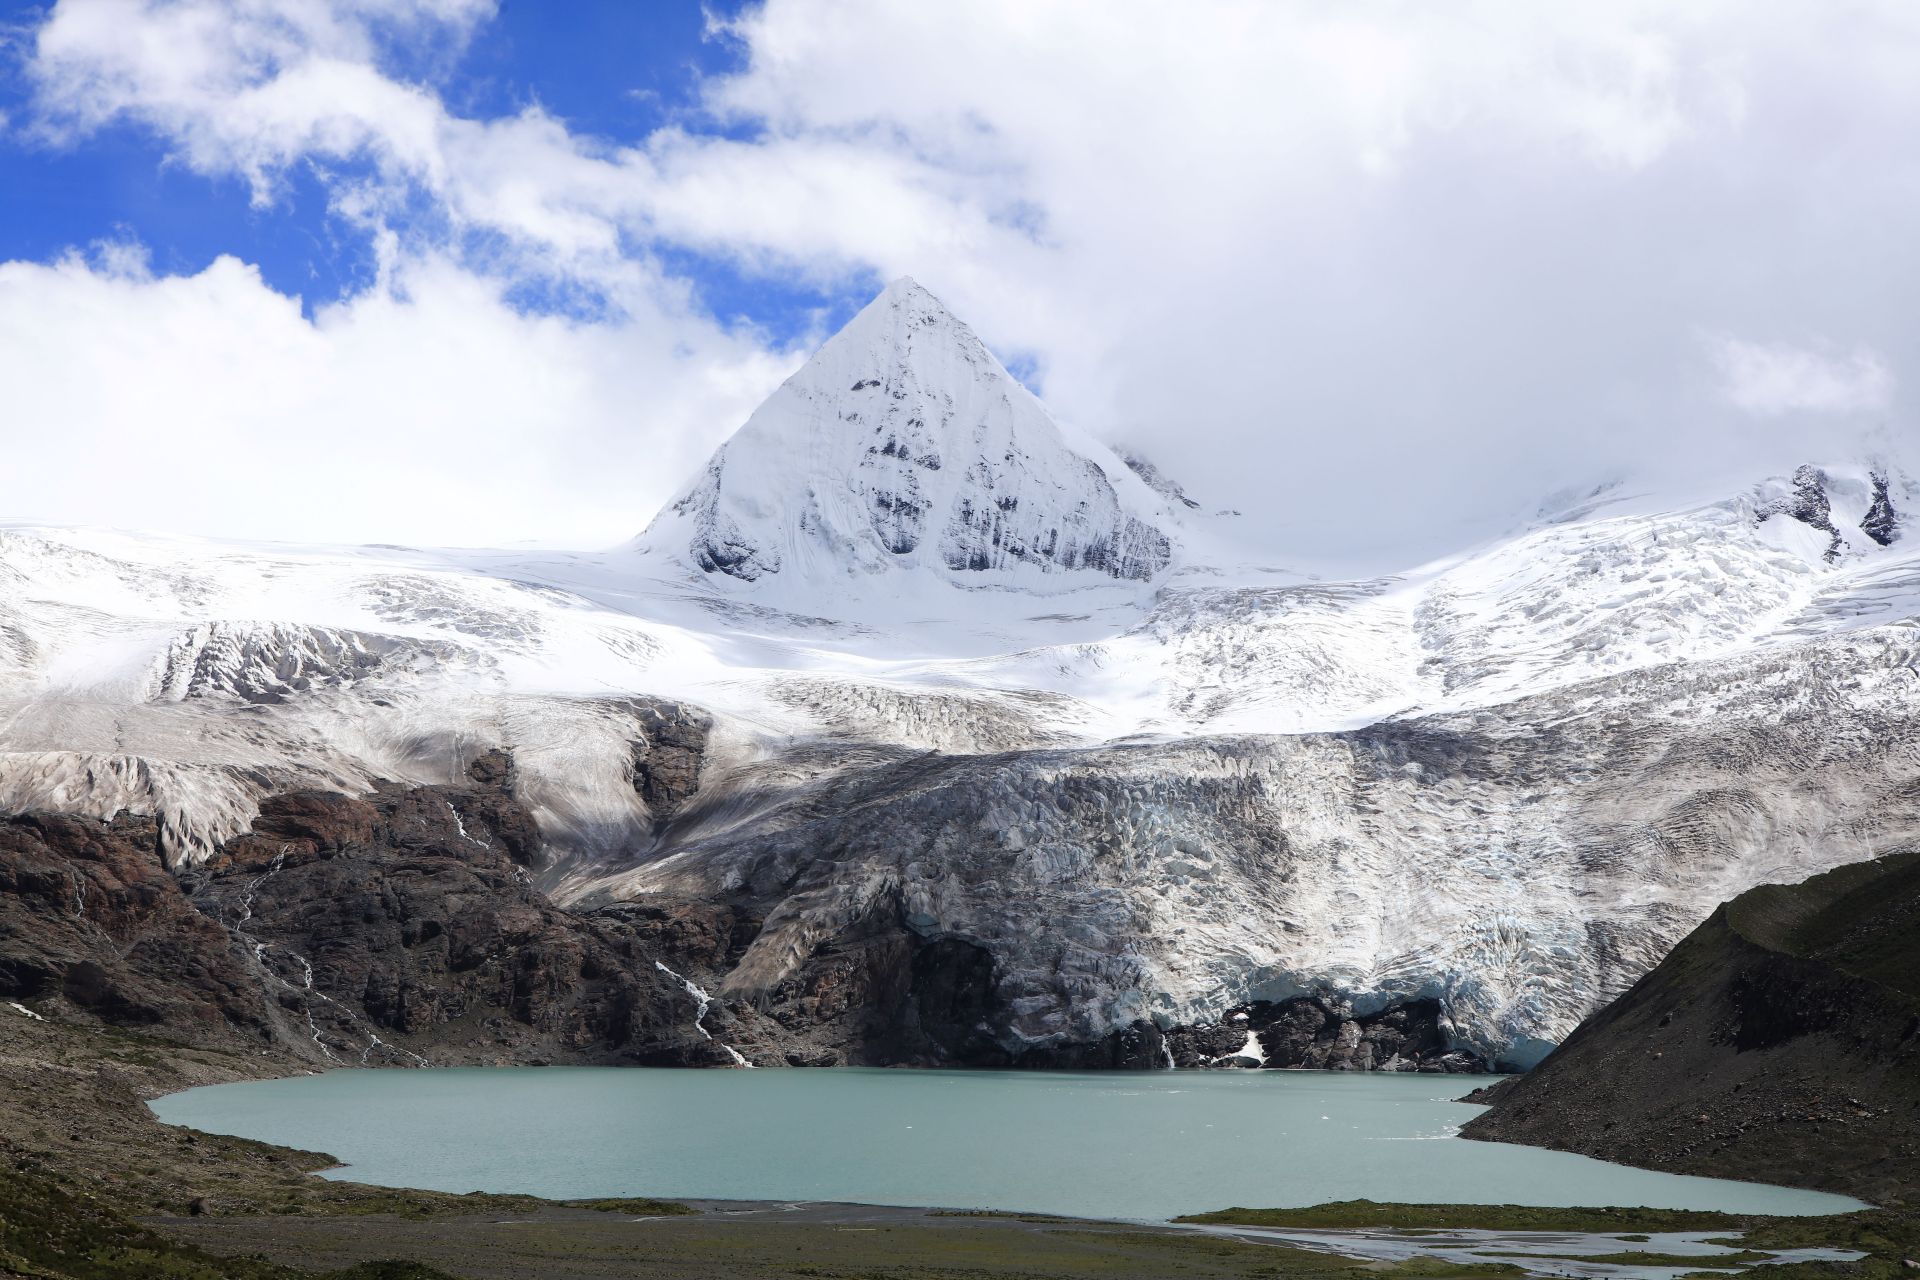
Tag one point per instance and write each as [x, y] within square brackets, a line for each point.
[1135, 1145]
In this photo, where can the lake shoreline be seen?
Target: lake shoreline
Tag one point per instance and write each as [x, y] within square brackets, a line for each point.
[90, 1137]
[1141, 1146]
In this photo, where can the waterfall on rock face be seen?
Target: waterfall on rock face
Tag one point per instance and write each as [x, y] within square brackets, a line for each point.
[702, 1002]
[305, 989]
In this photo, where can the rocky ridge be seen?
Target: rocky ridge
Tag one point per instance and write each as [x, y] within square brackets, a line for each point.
[1780, 1042]
[395, 929]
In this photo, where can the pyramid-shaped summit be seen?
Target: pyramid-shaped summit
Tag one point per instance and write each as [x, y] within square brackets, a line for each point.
[903, 445]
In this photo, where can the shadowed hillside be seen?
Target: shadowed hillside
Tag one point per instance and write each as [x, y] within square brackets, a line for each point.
[1780, 1042]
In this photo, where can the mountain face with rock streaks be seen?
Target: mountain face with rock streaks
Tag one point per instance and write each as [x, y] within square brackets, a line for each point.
[904, 446]
[921, 729]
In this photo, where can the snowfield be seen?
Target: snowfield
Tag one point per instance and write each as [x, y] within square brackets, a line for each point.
[965, 661]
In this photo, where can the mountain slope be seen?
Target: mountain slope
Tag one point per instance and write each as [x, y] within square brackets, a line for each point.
[1083, 814]
[1778, 1042]
[1519, 864]
[397, 929]
[903, 445]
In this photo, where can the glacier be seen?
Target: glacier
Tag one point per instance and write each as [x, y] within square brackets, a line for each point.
[963, 673]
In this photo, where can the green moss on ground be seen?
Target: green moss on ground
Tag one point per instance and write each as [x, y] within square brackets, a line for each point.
[1371, 1214]
[50, 1234]
[1436, 1269]
[1719, 1262]
[774, 1246]
[635, 1206]
[1889, 1237]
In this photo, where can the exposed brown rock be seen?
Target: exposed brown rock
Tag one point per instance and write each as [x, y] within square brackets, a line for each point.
[394, 928]
[94, 927]
[667, 759]
[406, 923]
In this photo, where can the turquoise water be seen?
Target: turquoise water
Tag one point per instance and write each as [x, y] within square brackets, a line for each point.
[1138, 1145]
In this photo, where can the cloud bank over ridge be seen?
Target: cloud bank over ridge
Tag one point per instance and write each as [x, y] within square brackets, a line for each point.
[1378, 281]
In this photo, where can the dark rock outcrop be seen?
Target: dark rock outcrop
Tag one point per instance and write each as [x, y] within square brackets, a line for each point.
[1325, 1034]
[405, 926]
[666, 762]
[951, 999]
[1882, 522]
[407, 923]
[1779, 1042]
[1809, 504]
[399, 927]
[92, 922]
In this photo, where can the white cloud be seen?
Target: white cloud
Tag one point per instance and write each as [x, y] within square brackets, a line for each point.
[1362, 272]
[246, 85]
[426, 412]
[1770, 379]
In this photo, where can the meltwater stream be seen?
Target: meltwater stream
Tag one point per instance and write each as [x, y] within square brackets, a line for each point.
[1146, 1145]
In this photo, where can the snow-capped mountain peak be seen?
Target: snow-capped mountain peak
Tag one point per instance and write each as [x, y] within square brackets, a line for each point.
[904, 445]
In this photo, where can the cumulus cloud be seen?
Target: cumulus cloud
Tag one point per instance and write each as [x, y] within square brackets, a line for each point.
[246, 85]
[1776, 378]
[426, 411]
[1375, 277]
[1369, 274]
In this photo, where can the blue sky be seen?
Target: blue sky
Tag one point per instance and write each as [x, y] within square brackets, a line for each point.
[613, 69]
[486, 271]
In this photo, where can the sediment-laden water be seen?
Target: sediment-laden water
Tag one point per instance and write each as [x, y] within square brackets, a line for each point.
[1115, 1146]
